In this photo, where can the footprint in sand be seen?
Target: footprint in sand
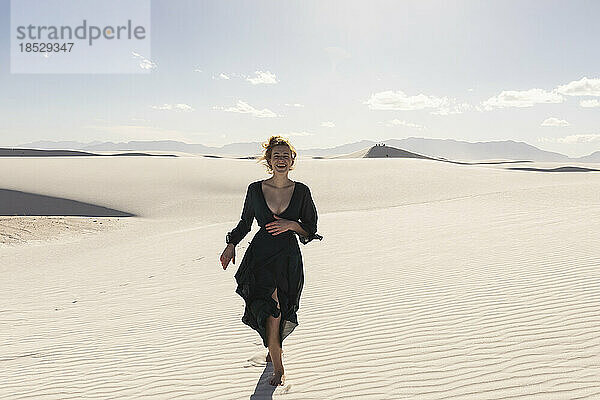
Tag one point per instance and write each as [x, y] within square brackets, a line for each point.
[257, 360]
[285, 389]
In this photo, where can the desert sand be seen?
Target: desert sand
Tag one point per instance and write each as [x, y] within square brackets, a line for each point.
[433, 281]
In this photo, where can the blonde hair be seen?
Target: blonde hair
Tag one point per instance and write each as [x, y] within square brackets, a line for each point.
[268, 146]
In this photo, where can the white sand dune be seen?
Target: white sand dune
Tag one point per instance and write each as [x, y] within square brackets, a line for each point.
[433, 281]
[378, 151]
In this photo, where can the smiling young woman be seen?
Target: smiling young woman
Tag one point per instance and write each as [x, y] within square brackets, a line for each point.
[271, 275]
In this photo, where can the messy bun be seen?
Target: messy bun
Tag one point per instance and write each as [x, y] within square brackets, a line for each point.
[268, 146]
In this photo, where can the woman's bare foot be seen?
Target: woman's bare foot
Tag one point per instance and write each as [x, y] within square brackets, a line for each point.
[277, 379]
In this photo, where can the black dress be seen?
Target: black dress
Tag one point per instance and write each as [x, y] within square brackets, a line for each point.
[273, 261]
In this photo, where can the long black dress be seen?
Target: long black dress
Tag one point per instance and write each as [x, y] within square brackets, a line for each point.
[273, 261]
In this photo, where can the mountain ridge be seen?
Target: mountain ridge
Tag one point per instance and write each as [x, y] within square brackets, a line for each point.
[440, 148]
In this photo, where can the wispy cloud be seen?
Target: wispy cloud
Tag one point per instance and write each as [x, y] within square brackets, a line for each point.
[245, 108]
[259, 78]
[174, 107]
[263, 78]
[451, 107]
[584, 138]
[582, 87]
[145, 63]
[552, 121]
[397, 122]
[302, 133]
[524, 98]
[294, 105]
[399, 101]
[589, 103]
[328, 124]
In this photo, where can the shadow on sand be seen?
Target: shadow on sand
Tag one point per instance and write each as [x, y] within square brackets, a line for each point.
[16, 203]
[16, 152]
[559, 169]
[263, 389]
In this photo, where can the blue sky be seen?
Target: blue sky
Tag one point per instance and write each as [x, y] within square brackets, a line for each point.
[332, 72]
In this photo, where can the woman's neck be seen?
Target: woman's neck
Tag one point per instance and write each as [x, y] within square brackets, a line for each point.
[280, 180]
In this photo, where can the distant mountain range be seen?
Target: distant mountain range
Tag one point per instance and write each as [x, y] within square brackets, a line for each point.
[441, 148]
[24, 152]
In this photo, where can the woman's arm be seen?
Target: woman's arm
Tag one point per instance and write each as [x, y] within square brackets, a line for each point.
[245, 224]
[308, 220]
[299, 230]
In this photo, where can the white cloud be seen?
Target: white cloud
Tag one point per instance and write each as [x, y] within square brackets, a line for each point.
[197, 70]
[294, 105]
[451, 107]
[328, 124]
[174, 107]
[399, 101]
[302, 133]
[264, 78]
[582, 87]
[397, 122]
[524, 98]
[223, 77]
[245, 108]
[589, 103]
[584, 138]
[390, 100]
[552, 121]
[145, 63]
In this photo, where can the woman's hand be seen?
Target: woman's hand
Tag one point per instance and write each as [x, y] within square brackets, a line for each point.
[280, 225]
[228, 255]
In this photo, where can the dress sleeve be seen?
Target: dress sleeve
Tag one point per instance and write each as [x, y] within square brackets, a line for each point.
[243, 227]
[308, 219]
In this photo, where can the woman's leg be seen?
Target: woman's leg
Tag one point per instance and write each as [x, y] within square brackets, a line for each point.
[274, 345]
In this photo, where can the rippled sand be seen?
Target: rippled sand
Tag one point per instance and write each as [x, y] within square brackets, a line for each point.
[433, 281]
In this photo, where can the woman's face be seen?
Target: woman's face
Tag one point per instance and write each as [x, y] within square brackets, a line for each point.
[281, 159]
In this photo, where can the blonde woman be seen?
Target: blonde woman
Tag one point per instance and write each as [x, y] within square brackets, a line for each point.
[271, 276]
